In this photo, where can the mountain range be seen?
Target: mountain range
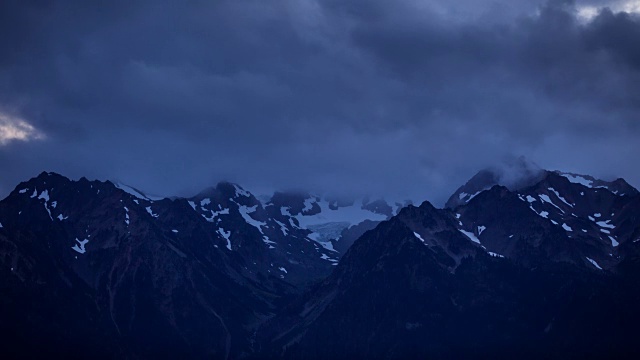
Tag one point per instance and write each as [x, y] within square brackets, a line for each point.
[543, 267]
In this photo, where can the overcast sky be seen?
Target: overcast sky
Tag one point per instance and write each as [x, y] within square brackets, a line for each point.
[403, 98]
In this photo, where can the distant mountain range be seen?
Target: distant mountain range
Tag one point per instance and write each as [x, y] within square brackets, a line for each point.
[547, 266]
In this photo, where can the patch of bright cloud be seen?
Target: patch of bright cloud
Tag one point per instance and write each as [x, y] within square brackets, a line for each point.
[16, 129]
[588, 12]
[631, 6]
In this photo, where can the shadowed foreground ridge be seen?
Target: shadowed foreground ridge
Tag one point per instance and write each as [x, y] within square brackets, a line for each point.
[548, 268]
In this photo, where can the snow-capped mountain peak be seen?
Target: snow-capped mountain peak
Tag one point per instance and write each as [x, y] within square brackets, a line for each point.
[576, 216]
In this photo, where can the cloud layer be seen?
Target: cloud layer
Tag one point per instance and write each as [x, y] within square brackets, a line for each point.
[404, 99]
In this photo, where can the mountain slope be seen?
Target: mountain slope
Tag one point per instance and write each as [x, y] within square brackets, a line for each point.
[546, 268]
[556, 219]
[491, 278]
[153, 278]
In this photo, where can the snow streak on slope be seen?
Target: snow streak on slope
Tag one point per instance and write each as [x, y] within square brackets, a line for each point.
[135, 192]
[471, 236]
[353, 214]
[329, 223]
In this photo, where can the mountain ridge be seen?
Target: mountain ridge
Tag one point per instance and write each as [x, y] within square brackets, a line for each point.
[495, 254]
[223, 274]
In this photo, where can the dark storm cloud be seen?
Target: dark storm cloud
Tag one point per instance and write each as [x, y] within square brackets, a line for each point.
[404, 98]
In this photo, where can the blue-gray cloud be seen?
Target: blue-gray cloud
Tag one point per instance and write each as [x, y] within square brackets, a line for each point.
[404, 98]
